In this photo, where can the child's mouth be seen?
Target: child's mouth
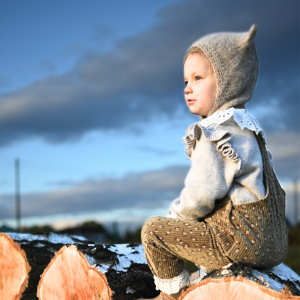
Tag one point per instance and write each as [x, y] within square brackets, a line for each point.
[191, 101]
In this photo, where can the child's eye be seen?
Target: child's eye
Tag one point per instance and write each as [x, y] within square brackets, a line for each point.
[185, 82]
[197, 77]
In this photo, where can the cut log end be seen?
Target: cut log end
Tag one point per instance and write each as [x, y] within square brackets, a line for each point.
[233, 288]
[14, 269]
[74, 278]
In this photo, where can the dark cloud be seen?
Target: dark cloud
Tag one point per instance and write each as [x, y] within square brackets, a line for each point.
[285, 149]
[141, 79]
[139, 190]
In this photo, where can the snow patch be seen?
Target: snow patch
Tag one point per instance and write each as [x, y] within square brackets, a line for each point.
[78, 237]
[92, 263]
[26, 236]
[285, 273]
[274, 285]
[59, 239]
[128, 255]
[103, 268]
[129, 290]
[52, 238]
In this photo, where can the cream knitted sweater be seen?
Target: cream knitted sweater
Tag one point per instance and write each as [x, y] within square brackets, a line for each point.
[225, 160]
[223, 150]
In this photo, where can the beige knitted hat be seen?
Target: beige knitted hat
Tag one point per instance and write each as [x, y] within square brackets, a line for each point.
[235, 62]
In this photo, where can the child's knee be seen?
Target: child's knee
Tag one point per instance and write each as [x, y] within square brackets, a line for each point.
[149, 228]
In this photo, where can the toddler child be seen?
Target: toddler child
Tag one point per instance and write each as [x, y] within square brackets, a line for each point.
[232, 208]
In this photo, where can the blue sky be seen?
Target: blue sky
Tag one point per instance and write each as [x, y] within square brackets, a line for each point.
[91, 101]
[47, 38]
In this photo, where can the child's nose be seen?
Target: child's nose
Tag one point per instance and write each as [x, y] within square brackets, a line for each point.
[188, 89]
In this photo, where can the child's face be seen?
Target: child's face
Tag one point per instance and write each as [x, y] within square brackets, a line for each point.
[201, 84]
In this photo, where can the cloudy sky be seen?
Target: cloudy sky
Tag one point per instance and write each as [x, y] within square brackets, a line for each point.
[91, 101]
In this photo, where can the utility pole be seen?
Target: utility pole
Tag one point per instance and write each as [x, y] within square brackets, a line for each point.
[18, 198]
[296, 203]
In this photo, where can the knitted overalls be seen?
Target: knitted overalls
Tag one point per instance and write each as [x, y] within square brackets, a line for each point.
[254, 233]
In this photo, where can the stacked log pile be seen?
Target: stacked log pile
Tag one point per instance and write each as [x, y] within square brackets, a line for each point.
[63, 266]
[48, 267]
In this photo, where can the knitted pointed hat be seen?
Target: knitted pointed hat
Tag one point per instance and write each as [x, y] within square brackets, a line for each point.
[234, 60]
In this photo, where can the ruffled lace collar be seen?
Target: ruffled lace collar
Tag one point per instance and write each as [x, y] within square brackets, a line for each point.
[208, 126]
[241, 116]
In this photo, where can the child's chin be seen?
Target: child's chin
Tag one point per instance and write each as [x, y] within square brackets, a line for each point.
[194, 112]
